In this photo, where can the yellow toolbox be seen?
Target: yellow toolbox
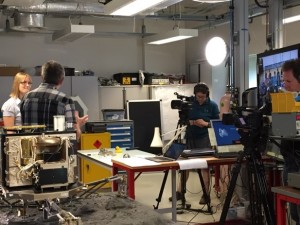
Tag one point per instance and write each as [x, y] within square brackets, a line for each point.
[91, 171]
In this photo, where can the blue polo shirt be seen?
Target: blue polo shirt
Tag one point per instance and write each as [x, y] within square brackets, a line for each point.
[207, 111]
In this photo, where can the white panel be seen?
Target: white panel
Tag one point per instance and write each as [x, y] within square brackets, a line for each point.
[252, 72]
[86, 87]
[110, 98]
[219, 82]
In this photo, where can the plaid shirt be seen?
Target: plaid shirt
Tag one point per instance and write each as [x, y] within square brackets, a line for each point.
[40, 105]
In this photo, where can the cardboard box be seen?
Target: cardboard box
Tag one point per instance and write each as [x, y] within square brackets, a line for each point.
[9, 70]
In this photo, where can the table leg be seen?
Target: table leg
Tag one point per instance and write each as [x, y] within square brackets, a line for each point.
[174, 201]
[130, 184]
[217, 178]
[280, 209]
[114, 183]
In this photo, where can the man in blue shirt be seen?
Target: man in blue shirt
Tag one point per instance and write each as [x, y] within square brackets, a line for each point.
[203, 110]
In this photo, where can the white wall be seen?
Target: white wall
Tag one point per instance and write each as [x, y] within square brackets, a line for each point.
[105, 55]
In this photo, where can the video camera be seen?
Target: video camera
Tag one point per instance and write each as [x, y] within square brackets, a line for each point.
[182, 102]
[252, 125]
[184, 105]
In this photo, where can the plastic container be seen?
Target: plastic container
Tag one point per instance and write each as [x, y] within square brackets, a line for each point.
[113, 114]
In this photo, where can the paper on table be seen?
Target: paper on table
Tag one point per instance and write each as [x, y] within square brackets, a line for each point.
[135, 161]
[192, 164]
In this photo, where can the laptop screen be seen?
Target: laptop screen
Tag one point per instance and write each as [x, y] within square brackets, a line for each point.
[175, 150]
[225, 134]
[224, 137]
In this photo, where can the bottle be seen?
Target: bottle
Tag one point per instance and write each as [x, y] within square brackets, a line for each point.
[225, 102]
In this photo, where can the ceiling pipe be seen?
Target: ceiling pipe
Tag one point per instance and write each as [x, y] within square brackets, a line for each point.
[63, 9]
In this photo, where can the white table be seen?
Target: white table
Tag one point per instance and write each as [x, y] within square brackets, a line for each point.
[137, 156]
[105, 161]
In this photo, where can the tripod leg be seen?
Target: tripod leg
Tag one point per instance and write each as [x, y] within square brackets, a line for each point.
[262, 188]
[235, 172]
[205, 194]
[161, 189]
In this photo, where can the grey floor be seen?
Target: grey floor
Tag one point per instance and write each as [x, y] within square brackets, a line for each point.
[147, 188]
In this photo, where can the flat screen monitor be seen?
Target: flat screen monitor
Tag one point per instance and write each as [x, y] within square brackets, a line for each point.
[269, 72]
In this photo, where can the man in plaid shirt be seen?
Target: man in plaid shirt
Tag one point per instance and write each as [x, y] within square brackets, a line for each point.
[40, 105]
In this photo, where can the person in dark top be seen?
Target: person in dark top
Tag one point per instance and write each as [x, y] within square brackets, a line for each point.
[290, 150]
[40, 105]
[203, 110]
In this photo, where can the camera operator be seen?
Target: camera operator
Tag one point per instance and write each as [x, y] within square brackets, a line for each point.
[202, 111]
[290, 150]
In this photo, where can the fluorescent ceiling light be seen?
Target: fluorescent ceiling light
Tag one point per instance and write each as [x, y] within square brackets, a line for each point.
[73, 32]
[160, 6]
[131, 7]
[211, 1]
[291, 19]
[291, 15]
[171, 36]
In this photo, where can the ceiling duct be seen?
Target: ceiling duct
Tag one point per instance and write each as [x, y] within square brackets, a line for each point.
[59, 8]
[22, 2]
[73, 32]
[29, 22]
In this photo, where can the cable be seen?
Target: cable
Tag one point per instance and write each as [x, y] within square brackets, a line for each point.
[260, 5]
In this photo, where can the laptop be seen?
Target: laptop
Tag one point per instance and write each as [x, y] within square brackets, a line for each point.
[225, 139]
[172, 154]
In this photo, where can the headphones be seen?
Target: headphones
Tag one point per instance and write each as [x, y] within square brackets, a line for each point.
[201, 87]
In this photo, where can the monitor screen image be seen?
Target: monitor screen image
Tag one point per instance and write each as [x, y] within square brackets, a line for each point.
[269, 74]
[225, 134]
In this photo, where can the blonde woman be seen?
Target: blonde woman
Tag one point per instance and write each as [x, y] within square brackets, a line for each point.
[10, 109]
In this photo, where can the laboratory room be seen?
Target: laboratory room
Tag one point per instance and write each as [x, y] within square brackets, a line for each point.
[149, 112]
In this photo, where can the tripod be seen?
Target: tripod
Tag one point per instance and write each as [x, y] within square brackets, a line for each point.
[260, 198]
[184, 204]
[181, 123]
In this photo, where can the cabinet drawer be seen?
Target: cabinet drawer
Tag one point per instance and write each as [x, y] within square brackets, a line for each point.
[121, 140]
[114, 128]
[120, 134]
